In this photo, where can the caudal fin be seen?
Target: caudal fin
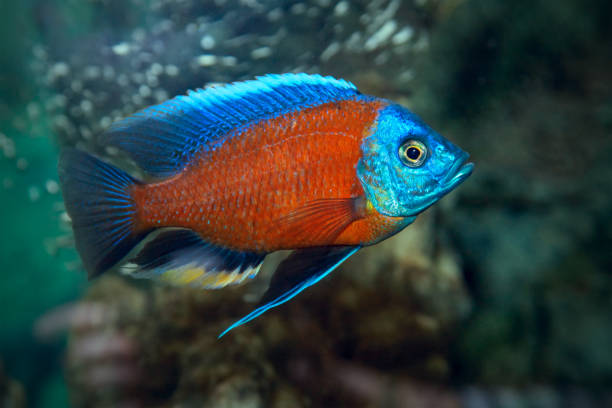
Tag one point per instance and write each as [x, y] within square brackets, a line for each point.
[98, 200]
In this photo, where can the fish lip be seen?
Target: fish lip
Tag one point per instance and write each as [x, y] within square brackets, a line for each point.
[458, 173]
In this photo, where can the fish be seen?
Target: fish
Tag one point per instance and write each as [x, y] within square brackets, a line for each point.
[293, 161]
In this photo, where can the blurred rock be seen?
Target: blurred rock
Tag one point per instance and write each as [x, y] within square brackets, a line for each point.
[12, 394]
[534, 244]
[533, 223]
[534, 396]
[390, 315]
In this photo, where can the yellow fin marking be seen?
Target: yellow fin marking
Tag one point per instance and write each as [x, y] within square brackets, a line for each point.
[218, 280]
[182, 276]
[226, 278]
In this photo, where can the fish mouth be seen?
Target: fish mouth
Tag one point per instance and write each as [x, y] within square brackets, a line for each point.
[457, 174]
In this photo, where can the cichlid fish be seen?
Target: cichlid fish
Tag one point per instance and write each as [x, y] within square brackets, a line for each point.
[292, 161]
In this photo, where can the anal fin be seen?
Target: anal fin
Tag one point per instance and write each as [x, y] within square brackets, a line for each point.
[181, 257]
[301, 269]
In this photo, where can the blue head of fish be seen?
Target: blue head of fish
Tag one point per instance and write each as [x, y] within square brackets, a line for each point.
[406, 166]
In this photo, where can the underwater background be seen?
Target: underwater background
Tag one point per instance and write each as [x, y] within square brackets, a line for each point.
[498, 296]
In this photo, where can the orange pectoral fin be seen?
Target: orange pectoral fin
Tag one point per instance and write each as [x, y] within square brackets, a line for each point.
[320, 222]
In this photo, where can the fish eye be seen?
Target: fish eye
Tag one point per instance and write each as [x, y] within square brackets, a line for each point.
[413, 153]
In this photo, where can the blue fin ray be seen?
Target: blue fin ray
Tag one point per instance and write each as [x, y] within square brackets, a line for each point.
[162, 138]
[302, 269]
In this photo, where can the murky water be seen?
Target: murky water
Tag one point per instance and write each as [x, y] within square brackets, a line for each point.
[498, 296]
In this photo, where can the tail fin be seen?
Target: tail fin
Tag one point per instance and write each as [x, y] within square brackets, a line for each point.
[98, 200]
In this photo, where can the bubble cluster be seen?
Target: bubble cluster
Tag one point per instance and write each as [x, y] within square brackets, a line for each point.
[189, 44]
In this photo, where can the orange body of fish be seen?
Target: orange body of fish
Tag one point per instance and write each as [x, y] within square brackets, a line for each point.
[242, 195]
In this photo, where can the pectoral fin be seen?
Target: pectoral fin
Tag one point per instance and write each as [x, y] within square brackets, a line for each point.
[303, 268]
[321, 220]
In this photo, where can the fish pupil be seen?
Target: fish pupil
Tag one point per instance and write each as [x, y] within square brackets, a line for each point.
[413, 153]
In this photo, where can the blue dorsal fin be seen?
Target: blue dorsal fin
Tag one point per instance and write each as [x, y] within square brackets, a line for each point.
[162, 138]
